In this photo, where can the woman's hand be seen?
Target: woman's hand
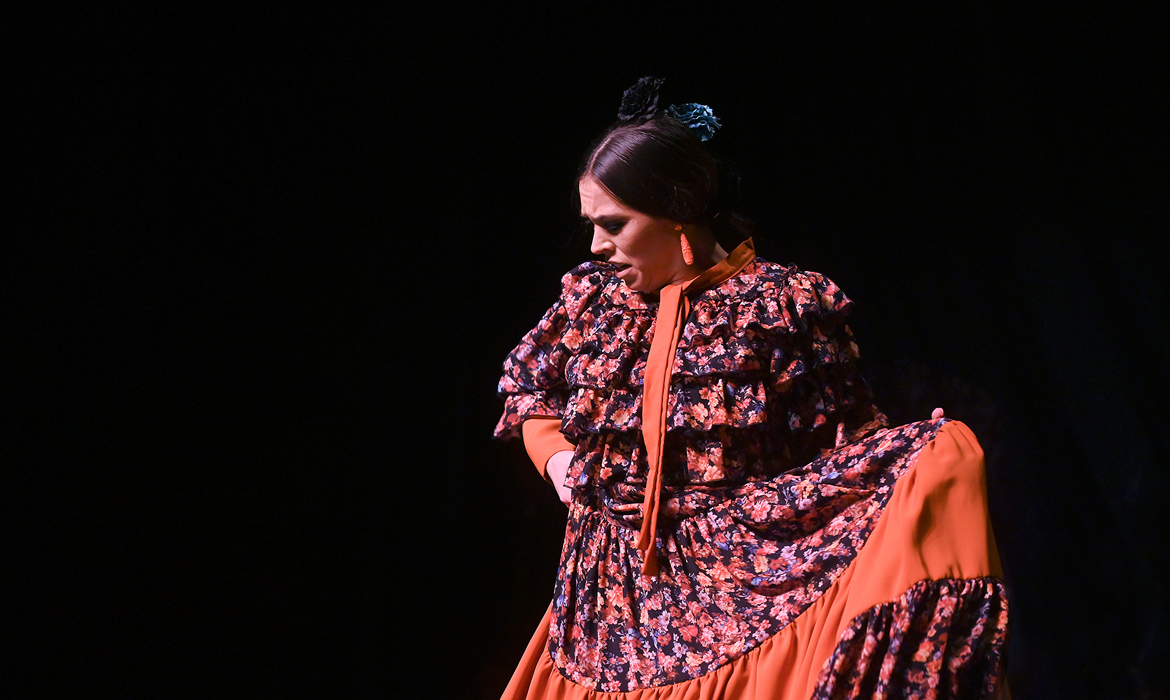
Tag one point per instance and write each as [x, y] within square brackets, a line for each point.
[936, 414]
[556, 468]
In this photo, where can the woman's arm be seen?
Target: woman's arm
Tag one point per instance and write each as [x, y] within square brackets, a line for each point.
[533, 383]
[549, 451]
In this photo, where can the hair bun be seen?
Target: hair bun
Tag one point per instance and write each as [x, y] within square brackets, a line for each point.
[641, 100]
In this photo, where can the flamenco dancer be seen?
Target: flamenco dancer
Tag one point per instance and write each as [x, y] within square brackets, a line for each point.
[743, 523]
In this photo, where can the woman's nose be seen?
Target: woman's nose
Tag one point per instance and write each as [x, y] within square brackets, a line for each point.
[600, 244]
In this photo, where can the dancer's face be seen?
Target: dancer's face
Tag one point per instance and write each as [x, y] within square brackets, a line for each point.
[646, 248]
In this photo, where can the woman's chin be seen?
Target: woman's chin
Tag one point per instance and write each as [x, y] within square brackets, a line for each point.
[630, 277]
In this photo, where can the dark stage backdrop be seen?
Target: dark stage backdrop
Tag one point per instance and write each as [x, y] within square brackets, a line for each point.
[265, 266]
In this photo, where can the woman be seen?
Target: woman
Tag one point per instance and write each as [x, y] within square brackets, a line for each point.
[742, 523]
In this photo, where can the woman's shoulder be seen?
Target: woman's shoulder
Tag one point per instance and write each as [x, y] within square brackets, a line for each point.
[596, 282]
[579, 286]
[591, 270]
[782, 289]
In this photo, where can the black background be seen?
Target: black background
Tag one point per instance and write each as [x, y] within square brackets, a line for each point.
[265, 265]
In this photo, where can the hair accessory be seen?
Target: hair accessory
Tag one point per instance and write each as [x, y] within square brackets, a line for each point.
[688, 255]
[641, 100]
[698, 117]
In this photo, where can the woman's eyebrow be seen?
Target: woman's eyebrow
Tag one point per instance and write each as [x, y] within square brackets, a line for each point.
[604, 218]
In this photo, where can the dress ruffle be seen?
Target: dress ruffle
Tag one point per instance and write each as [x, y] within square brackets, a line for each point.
[940, 639]
[771, 331]
[533, 380]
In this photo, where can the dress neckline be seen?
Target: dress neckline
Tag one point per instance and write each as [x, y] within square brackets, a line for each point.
[718, 273]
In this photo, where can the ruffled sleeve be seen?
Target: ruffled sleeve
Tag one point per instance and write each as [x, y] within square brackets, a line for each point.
[817, 389]
[533, 383]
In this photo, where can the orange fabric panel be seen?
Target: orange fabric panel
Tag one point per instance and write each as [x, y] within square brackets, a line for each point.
[934, 526]
[783, 668]
[543, 439]
[673, 308]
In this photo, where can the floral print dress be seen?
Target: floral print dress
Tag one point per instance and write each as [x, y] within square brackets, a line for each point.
[788, 555]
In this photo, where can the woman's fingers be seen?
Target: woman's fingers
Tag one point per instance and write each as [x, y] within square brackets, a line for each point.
[565, 494]
[936, 414]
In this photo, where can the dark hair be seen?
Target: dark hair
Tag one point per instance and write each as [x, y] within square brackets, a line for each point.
[660, 167]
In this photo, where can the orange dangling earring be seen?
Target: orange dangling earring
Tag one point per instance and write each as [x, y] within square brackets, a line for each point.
[688, 255]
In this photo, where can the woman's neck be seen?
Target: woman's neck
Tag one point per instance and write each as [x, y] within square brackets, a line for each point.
[706, 251]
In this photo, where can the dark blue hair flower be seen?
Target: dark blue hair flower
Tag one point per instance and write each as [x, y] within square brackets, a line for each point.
[641, 100]
[696, 116]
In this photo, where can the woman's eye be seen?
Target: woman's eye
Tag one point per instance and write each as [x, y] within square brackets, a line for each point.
[613, 227]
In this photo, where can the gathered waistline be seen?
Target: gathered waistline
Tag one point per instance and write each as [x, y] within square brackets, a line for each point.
[678, 503]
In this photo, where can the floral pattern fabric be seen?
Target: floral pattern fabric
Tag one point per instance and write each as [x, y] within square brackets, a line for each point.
[776, 466]
[941, 639]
